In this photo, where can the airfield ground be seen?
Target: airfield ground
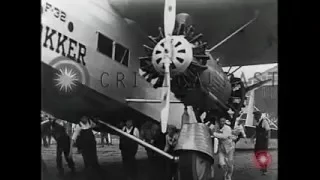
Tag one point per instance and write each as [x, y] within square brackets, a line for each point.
[110, 160]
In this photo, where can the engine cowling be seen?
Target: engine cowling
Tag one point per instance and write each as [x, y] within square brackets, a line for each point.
[182, 55]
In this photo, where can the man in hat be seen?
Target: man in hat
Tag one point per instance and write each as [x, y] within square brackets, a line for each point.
[86, 141]
[63, 140]
[262, 136]
[226, 148]
[129, 150]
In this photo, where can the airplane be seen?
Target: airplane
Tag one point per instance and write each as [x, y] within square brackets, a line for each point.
[146, 60]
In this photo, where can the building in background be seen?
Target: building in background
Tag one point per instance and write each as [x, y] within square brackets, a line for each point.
[266, 97]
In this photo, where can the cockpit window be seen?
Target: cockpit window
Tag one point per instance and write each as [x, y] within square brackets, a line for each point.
[105, 45]
[113, 49]
[121, 54]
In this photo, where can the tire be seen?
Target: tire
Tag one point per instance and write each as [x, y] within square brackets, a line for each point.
[194, 165]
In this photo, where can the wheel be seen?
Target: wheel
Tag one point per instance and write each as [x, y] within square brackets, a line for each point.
[194, 165]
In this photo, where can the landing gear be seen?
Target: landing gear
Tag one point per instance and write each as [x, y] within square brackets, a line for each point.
[195, 151]
[194, 165]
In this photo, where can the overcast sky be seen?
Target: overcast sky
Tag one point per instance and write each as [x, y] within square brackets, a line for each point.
[250, 70]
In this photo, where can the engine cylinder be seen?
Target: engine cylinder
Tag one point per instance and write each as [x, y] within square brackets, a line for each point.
[212, 92]
[216, 81]
[196, 78]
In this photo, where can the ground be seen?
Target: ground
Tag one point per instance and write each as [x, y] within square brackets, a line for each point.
[110, 160]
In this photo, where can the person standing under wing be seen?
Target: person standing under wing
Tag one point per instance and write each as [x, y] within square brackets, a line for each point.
[226, 148]
[129, 149]
[63, 141]
[262, 136]
[171, 141]
[88, 145]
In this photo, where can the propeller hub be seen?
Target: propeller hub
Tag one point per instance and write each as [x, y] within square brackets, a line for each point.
[180, 55]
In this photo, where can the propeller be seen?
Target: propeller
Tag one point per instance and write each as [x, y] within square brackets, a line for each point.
[169, 23]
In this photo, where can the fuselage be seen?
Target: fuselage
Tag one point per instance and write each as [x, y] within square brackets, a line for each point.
[90, 35]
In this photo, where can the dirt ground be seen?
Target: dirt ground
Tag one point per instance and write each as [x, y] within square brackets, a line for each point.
[110, 161]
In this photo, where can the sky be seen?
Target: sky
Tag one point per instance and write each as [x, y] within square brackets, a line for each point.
[249, 71]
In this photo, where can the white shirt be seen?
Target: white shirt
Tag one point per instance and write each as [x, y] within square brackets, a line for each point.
[224, 135]
[135, 131]
[265, 124]
[239, 129]
[78, 128]
[226, 132]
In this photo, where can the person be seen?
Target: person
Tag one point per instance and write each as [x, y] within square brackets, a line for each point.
[151, 133]
[68, 127]
[185, 118]
[105, 136]
[45, 131]
[262, 136]
[63, 141]
[129, 149]
[76, 143]
[238, 130]
[86, 141]
[171, 141]
[226, 148]
[109, 139]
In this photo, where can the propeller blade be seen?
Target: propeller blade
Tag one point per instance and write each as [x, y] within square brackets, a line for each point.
[169, 16]
[249, 88]
[165, 98]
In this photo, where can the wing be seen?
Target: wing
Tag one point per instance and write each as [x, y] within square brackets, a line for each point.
[216, 19]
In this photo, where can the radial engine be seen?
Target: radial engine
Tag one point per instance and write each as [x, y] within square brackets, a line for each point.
[197, 79]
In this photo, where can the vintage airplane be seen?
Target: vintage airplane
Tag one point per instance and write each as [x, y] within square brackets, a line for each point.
[98, 59]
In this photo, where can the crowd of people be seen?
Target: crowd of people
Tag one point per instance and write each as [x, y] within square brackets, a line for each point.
[82, 136]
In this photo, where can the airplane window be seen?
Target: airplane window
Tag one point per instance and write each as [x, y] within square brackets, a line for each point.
[104, 45]
[122, 54]
[125, 58]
